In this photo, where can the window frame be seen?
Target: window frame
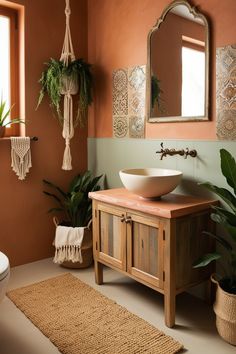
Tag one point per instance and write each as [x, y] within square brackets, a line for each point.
[13, 15]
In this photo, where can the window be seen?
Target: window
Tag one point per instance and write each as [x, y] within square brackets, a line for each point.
[9, 64]
[193, 77]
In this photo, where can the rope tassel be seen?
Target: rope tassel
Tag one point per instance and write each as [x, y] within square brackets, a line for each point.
[68, 131]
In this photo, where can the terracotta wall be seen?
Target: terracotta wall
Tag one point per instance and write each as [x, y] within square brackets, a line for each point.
[27, 231]
[118, 38]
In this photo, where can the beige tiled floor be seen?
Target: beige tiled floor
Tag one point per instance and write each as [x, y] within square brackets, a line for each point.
[195, 320]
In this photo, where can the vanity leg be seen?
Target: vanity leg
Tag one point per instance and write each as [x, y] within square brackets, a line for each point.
[169, 303]
[169, 277]
[98, 267]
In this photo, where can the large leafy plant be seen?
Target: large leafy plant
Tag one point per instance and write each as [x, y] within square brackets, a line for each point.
[74, 204]
[52, 84]
[226, 217]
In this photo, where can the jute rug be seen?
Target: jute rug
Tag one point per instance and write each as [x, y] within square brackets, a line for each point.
[80, 320]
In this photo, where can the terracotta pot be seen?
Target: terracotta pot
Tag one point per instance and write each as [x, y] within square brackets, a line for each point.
[2, 131]
[225, 310]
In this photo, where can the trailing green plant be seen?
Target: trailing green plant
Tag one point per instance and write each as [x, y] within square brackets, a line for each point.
[4, 115]
[51, 82]
[226, 217]
[74, 205]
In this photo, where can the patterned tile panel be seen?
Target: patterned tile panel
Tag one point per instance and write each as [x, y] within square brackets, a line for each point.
[120, 127]
[120, 92]
[136, 127]
[226, 92]
[129, 102]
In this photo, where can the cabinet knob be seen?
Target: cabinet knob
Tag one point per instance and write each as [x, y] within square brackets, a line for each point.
[128, 220]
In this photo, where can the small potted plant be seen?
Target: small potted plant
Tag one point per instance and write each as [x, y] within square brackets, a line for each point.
[75, 210]
[58, 78]
[225, 304]
[4, 118]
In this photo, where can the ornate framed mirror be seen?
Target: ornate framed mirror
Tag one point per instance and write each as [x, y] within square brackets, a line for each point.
[178, 66]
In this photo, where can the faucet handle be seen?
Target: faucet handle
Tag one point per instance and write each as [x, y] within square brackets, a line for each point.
[192, 153]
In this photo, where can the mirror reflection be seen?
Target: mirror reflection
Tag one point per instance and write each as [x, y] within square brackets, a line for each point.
[178, 60]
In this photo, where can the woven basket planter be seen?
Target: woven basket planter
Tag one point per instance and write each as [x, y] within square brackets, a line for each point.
[225, 310]
[86, 249]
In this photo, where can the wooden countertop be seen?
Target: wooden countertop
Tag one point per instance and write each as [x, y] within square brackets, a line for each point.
[169, 206]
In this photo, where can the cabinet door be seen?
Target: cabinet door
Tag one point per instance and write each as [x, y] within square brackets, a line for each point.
[145, 249]
[111, 240]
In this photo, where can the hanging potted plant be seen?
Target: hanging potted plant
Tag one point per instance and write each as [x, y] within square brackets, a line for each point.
[65, 78]
[75, 210]
[225, 304]
[58, 78]
[4, 118]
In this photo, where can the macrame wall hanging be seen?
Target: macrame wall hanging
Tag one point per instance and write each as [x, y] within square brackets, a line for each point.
[69, 88]
[20, 156]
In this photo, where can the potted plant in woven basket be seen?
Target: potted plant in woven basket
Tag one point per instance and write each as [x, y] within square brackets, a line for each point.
[4, 118]
[75, 210]
[225, 304]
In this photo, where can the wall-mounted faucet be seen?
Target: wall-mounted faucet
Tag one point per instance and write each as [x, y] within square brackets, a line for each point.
[172, 152]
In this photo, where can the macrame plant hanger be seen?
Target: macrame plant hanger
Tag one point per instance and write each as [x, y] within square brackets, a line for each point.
[69, 88]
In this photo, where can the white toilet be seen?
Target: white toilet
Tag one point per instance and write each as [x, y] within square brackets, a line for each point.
[4, 274]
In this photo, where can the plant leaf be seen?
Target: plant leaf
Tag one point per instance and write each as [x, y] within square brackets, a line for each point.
[228, 168]
[206, 259]
[52, 185]
[52, 210]
[221, 219]
[226, 195]
[54, 197]
[219, 239]
[231, 218]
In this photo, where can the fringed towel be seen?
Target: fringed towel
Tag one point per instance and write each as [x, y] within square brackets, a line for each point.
[20, 156]
[68, 242]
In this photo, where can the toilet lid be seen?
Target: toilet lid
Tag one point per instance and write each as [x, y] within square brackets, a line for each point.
[4, 265]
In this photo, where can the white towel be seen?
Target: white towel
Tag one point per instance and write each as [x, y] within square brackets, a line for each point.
[68, 242]
[20, 156]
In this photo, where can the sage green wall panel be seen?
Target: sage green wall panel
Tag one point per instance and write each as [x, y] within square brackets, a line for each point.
[108, 156]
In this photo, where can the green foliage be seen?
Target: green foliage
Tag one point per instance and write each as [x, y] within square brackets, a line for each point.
[4, 115]
[226, 217]
[51, 82]
[156, 92]
[74, 204]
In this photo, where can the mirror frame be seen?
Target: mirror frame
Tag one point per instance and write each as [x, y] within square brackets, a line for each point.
[193, 10]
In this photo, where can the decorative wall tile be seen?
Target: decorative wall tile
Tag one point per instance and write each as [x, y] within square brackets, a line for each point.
[120, 92]
[137, 77]
[128, 96]
[120, 127]
[226, 92]
[136, 127]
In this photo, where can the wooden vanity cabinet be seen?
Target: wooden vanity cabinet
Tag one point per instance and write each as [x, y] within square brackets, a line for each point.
[152, 245]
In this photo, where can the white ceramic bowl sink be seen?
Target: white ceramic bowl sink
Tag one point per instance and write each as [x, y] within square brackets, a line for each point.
[150, 182]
